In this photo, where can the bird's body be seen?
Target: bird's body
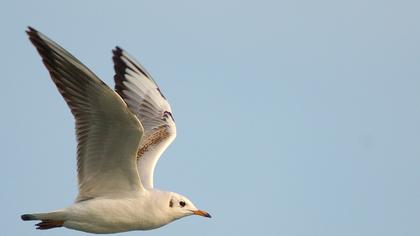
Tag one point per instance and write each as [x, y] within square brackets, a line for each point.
[121, 135]
[112, 215]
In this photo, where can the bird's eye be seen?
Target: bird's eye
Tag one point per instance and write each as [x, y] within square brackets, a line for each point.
[171, 203]
[182, 203]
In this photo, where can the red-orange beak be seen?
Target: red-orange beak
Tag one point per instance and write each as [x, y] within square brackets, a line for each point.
[202, 213]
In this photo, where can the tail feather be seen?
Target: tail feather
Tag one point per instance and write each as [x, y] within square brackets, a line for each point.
[26, 217]
[48, 220]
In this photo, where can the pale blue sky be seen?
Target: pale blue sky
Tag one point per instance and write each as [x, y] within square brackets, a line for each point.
[294, 118]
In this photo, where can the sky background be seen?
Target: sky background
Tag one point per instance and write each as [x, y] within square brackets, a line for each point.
[294, 118]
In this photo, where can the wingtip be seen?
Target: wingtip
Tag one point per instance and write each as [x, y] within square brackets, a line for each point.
[30, 30]
[34, 35]
[117, 51]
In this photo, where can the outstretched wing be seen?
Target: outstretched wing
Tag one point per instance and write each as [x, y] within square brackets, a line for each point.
[144, 98]
[108, 133]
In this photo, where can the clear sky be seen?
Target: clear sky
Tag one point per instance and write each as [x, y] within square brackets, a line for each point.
[294, 118]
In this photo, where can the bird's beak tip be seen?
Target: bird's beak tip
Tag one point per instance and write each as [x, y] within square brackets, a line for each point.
[202, 213]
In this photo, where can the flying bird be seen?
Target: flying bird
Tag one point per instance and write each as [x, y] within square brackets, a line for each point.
[120, 137]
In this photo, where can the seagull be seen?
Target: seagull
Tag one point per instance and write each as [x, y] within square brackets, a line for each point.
[120, 136]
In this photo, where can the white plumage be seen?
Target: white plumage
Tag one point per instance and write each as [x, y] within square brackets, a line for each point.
[121, 136]
[143, 97]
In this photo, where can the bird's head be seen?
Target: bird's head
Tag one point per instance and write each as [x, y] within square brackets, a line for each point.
[181, 206]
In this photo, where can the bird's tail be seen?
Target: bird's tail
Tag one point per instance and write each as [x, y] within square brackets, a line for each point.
[48, 220]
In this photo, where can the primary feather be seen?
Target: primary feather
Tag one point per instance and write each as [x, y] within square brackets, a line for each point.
[108, 133]
[144, 98]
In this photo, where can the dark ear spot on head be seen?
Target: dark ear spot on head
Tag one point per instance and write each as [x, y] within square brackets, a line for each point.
[171, 203]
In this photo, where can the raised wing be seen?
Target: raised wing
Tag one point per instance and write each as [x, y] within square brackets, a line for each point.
[108, 133]
[144, 98]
